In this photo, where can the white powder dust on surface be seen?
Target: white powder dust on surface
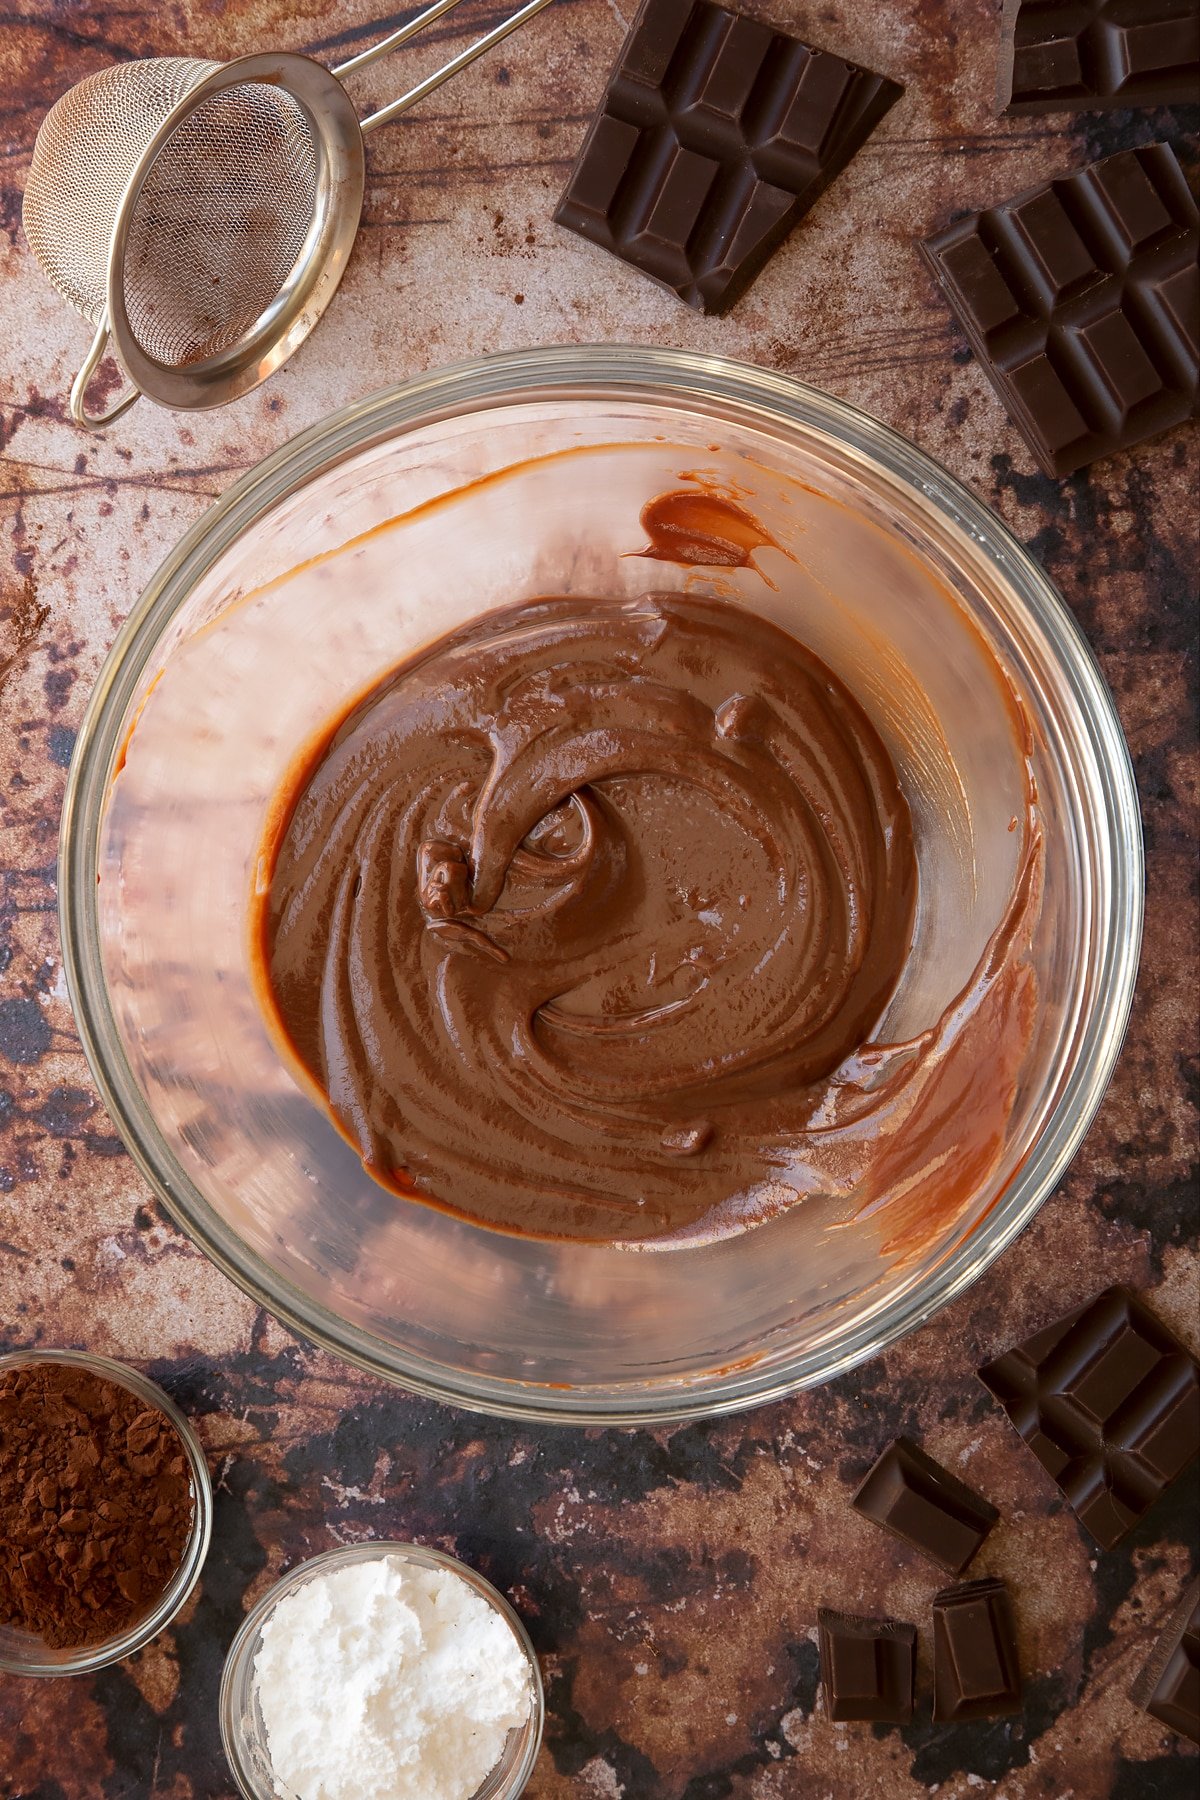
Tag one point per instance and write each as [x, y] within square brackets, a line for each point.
[383, 1680]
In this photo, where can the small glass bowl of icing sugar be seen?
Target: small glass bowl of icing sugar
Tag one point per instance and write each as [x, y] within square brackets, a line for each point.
[382, 1671]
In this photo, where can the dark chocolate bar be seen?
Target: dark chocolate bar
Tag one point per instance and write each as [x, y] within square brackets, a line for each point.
[715, 136]
[1169, 1685]
[915, 1498]
[1080, 299]
[1059, 54]
[868, 1667]
[976, 1674]
[1109, 1402]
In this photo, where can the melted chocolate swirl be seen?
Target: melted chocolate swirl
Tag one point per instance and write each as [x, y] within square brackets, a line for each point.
[579, 911]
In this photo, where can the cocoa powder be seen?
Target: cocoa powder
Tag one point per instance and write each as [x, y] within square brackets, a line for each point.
[96, 1504]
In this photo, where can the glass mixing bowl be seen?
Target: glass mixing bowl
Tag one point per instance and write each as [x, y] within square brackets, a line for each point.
[375, 532]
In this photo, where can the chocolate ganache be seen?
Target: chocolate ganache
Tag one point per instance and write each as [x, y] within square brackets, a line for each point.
[583, 920]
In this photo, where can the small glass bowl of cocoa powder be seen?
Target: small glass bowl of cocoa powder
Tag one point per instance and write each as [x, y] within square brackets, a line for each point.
[105, 1483]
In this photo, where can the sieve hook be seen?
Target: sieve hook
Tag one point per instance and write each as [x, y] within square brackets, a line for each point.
[79, 387]
[384, 116]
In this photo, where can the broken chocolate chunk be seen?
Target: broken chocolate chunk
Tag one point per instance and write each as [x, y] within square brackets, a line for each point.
[868, 1667]
[1108, 1400]
[1081, 298]
[975, 1670]
[917, 1500]
[1169, 1685]
[1056, 55]
[714, 138]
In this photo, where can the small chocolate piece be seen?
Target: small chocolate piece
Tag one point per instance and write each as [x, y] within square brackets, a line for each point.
[916, 1499]
[1109, 1402]
[975, 1670]
[715, 136]
[868, 1667]
[1080, 299]
[1056, 55]
[1169, 1685]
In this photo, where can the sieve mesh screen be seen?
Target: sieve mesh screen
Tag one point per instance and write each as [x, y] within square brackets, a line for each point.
[221, 218]
[220, 222]
[87, 147]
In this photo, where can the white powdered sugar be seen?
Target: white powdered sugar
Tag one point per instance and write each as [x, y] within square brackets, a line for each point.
[383, 1680]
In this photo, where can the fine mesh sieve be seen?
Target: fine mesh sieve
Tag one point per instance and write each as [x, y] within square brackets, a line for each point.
[87, 148]
[221, 222]
[201, 214]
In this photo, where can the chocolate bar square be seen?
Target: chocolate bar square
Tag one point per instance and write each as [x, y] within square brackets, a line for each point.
[1109, 1402]
[868, 1667]
[1081, 300]
[1169, 1686]
[976, 1674]
[918, 1501]
[715, 136]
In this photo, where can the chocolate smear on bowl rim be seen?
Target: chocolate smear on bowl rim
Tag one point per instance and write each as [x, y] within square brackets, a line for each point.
[703, 529]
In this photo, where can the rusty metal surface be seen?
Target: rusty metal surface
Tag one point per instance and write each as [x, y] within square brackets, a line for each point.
[670, 1578]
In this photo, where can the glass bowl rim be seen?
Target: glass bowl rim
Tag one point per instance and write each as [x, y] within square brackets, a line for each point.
[376, 1549]
[674, 377]
[91, 1657]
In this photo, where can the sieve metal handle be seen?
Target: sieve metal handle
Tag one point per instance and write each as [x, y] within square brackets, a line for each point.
[91, 362]
[394, 39]
[480, 47]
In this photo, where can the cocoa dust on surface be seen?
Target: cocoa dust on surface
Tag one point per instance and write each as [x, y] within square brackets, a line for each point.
[22, 616]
